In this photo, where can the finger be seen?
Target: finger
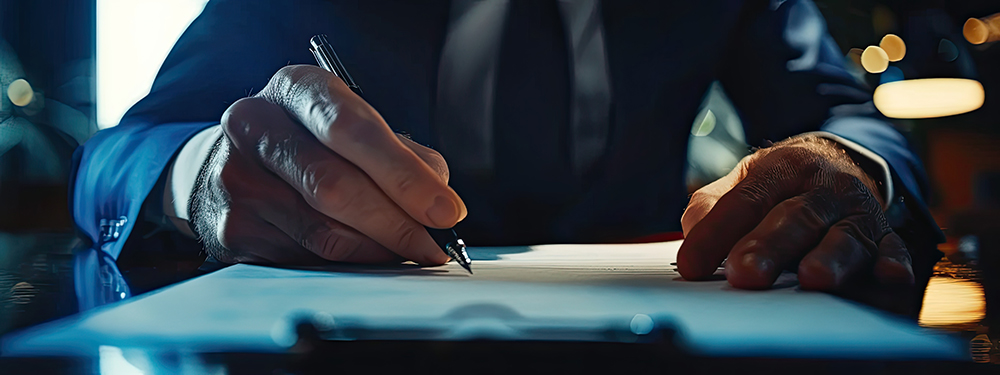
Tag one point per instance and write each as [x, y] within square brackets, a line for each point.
[328, 184]
[330, 239]
[734, 215]
[432, 158]
[844, 253]
[893, 264]
[247, 238]
[703, 200]
[346, 124]
[889, 288]
[282, 207]
[795, 226]
[789, 230]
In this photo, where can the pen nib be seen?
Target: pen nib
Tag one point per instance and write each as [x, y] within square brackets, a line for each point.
[456, 250]
[468, 267]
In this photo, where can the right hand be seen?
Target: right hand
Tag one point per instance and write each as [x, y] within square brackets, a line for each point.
[307, 171]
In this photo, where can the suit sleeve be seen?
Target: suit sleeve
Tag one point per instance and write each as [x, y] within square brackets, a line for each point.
[785, 75]
[230, 50]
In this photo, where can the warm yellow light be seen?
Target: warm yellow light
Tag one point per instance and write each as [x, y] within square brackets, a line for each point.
[975, 31]
[982, 30]
[893, 46]
[952, 302]
[874, 59]
[20, 92]
[929, 97]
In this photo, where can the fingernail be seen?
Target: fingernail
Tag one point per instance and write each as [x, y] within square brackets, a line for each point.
[750, 271]
[760, 264]
[443, 212]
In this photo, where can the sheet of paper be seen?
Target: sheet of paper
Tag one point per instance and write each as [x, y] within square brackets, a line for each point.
[647, 265]
[630, 264]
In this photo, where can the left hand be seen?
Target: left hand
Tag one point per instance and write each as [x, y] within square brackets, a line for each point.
[801, 204]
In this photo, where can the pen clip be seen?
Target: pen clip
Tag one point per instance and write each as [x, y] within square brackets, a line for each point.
[320, 60]
[327, 59]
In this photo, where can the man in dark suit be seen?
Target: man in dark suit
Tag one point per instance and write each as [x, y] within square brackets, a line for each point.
[561, 121]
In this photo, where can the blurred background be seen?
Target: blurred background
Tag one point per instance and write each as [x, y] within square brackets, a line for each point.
[85, 62]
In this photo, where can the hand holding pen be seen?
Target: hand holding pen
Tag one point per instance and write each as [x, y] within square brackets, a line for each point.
[307, 171]
[327, 58]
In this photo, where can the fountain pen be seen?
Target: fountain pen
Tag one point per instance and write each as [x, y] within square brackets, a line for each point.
[327, 59]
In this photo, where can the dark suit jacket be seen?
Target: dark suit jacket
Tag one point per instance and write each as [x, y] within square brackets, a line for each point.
[779, 67]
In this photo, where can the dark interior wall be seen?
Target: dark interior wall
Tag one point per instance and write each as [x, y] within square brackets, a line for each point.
[55, 44]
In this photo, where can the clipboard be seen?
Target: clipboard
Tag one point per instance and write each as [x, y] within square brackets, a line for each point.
[618, 294]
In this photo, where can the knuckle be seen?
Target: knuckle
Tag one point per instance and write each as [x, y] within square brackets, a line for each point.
[405, 182]
[697, 208]
[334, 248]
[290, 74]
[329, 191]
[699, 197]
[280, 83]
[343, 125]
[436, 161]
[310, 180]
[277, 150]
[808, 212]
[754, 194]
[856, 189]
[327, 243]
[858, 228]
[855, 192]
[892, 243]
[238, 118]
[286, 72]
[405, 234]
[289, 82]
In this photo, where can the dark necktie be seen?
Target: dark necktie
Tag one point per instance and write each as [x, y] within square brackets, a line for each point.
[531, 117]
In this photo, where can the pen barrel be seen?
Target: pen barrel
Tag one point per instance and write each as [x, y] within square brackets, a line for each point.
[449, 242]
[327, 59]
[443, 237]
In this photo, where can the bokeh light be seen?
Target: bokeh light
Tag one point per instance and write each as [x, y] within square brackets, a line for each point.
[947, 50]
[874, 59]
[706, 126]
[982, 30]
[928, 97]
[20, 92]
[893, 46]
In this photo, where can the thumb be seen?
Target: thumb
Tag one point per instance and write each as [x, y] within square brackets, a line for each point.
[704, 199]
